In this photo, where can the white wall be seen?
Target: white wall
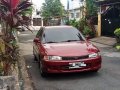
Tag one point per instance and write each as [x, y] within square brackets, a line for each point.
[74, 4]
[34, 14]
[75, 11]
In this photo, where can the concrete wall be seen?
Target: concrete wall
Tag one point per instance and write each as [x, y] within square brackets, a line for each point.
[7, 83]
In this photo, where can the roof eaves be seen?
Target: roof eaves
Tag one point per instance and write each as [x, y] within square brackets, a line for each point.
[107, 2]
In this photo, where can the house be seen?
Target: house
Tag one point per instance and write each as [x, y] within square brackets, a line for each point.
[108, 16]
[36, 17]
[36, 14]
[76, 9]
[75, 13]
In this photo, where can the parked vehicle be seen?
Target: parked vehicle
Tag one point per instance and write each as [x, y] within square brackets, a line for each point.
[21, 28]
[63, 49]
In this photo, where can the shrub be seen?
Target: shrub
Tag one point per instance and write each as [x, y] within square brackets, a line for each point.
[117, 32]
[73, 23]
[118, 47]
[88, 32]
[82, 24]
[12, 15]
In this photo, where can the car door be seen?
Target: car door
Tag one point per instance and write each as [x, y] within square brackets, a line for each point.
[37, 43]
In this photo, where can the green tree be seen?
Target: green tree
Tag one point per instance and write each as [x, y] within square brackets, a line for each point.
[90, 19]
[52, 8]
[91, 8]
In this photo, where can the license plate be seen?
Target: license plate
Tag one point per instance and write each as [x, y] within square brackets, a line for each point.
[77, 65]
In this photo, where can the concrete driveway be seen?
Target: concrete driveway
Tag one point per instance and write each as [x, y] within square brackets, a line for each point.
[104, 40]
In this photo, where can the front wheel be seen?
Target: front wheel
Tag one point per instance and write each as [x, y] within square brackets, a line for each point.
[42, 72]
[35, 58]
[95, 71]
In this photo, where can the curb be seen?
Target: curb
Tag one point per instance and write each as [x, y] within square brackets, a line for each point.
[102, 43]
[104, 40]
[24, 79]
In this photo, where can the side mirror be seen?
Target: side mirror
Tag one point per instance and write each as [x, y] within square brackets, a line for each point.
[37, 40]
[87, 38]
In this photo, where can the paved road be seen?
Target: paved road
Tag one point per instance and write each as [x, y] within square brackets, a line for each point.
[108, 78]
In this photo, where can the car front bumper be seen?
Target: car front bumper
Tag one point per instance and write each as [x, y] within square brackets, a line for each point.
[63, 66]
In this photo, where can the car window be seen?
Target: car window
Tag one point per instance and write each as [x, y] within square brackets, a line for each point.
[39, 34]
[62, 35]
[43, 38]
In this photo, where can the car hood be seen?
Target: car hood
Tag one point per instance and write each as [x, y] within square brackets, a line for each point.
[69, 49]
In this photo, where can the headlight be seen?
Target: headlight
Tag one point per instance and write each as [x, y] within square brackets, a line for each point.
[94, 55]
[53, 57]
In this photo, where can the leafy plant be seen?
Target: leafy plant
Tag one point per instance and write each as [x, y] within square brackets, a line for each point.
[117, 34]
[91, 8]
[118, 46]
[73, 23]
[88, 32]
[82, 24]
[11, 16]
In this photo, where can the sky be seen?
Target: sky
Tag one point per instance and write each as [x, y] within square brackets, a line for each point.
[72, 4]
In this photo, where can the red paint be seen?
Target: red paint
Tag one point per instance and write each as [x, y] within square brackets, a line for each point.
[14, 3]
[67, 49]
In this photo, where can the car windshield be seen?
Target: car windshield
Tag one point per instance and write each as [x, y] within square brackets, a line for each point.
[62, 34]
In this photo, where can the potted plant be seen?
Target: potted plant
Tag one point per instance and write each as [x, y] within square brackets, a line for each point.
[117, 34]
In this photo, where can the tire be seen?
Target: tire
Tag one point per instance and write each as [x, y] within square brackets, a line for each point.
[42, 72]
[95, 71]
[35, 58]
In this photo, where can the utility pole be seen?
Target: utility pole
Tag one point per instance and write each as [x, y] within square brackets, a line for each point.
[84, 1]
[68, 9]
[83, 7]
[99, 23]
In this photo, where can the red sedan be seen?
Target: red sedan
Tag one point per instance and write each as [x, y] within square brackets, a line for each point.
[63, 49]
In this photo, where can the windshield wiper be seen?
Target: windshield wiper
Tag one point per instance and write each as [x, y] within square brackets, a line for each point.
[51, 42]
[70, 40]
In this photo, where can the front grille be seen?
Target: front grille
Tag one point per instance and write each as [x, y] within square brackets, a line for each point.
[75, 57]
[66, 67]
